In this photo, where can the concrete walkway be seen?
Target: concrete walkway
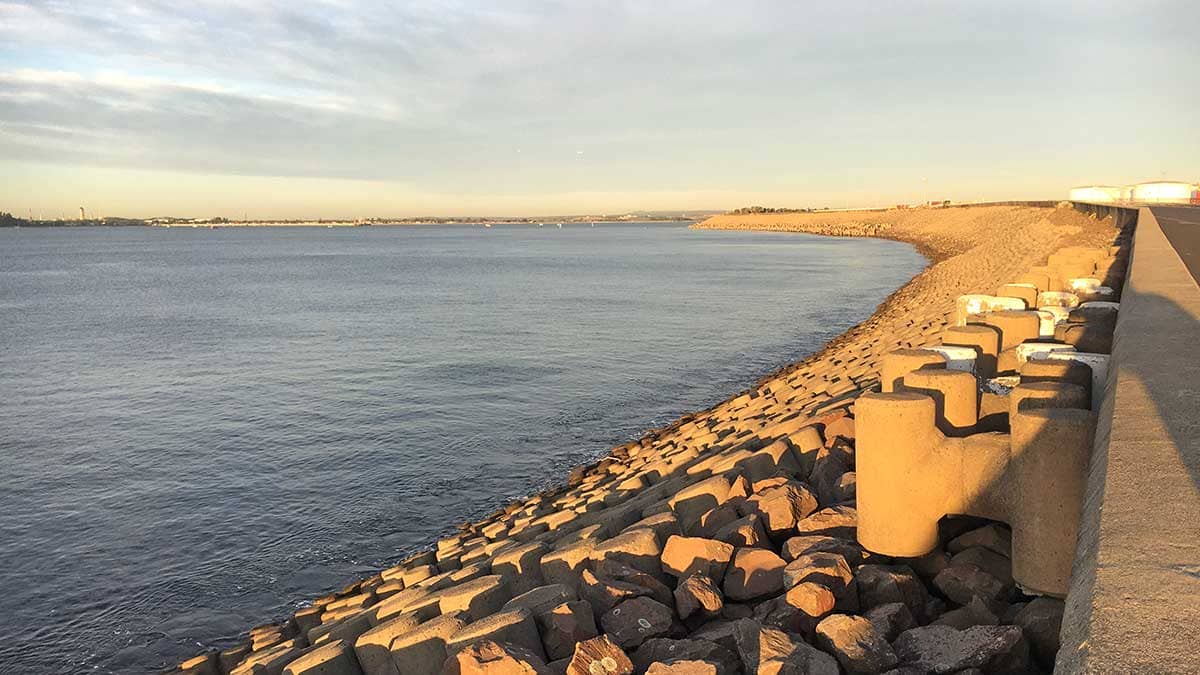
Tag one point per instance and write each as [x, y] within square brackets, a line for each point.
[1181, 224]
[1134, 604]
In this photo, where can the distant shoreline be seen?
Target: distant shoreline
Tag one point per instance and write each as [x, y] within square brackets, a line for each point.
[389, 222]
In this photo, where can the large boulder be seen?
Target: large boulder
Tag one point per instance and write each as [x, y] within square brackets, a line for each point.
[974, 613]
[839, 520]
[989, 561]
[839, 429]
[478, 597]
[652, 583]
[993, 536]
[831, 464]
[882, 584]
[632, 622]
[665, 650]
[846, 488]
[942, 649]
[638, 549]
[769, 651]
[858, 645]
[961, 583]
[714, 519]
[684, 556]
[797, 546]
[1041, 620]
[693, 501]
[781, 507]
[488, 657]
[565, 626]
[891, 619]
[720, 631]
[662, 524]
[599, 656]
[698, 596]
[753, 573]
[565, 565]
[809, 603]
[828, 569]
[822, 567]
[603, 594]
[683, 667]
[745, 531]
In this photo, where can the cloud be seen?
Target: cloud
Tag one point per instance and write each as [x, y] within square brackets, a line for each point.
[661, 95]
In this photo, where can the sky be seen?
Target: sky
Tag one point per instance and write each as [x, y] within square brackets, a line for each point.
[359, 108]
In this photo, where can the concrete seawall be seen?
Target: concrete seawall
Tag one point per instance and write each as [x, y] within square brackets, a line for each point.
[726, 542]
[1134, 604]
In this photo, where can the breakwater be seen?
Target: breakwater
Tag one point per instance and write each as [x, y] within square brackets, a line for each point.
[727, 541]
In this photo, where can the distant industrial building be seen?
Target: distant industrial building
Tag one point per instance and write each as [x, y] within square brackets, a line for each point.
[1153, 192]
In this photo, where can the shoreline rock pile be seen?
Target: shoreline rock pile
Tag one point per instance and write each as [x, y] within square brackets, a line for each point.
[724, 544]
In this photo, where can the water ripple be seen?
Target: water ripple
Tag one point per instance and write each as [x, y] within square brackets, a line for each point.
[202, 429]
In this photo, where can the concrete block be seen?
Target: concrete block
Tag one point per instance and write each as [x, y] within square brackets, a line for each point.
[564, 566]
[910, 475]
[1025, 291]
[335, 658]
[477, 598]
[1097, 363]
[373, 648]
[515, 626]
[423, 651]
[1058, 299]
[985, 340]
[971, 308]
[897, 364]
[1015, 326]
[521, 566]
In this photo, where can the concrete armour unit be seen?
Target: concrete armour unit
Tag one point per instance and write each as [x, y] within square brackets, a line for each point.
[1046, 370]
[957, 357]
[985, 340]
[910, 475]
[1052, 316]
[1058, 299]
[969, 308]
[515, 626]
[372, 648]
[1023, 290]
[895, 365]
[334, 658]
[1026, 350]
[422, 651]
[1040, 278]
[1015, 326]
[1048, 321]
[954, 395]
[1096, 363]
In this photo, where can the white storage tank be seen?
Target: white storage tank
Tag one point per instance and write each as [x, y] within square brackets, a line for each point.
[1164, 192]
[1096, 194]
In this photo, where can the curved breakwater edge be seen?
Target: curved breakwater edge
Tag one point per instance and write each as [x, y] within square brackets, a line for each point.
[595, 572]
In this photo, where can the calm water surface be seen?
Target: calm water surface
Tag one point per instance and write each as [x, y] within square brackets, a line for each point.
[200, 429]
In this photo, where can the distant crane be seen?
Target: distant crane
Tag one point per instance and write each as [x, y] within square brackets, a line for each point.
[82, 214]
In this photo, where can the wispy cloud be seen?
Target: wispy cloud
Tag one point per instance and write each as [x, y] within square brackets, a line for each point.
[442, 93]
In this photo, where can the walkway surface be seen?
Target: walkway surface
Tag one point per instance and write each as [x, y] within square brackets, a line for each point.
[1134, 604]
[1181, 224]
